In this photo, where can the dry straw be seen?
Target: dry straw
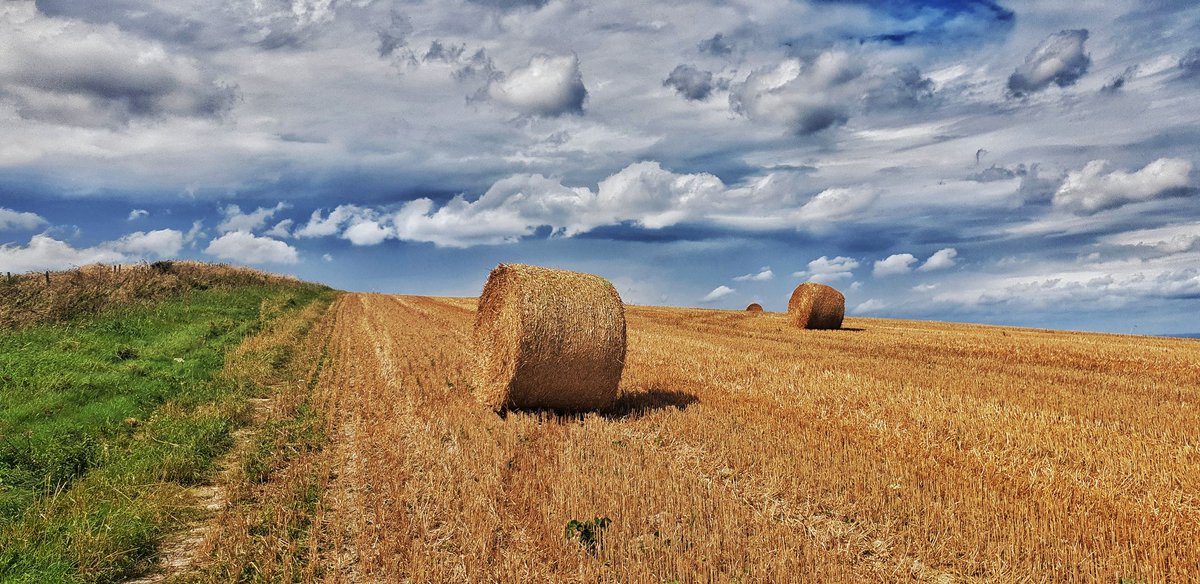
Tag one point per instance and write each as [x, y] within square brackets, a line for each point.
[817, 306]
[754, 307]
[43, 297]
[548, 339]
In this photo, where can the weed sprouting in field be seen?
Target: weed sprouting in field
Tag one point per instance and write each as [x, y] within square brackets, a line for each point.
[588, 533]
[126, 353]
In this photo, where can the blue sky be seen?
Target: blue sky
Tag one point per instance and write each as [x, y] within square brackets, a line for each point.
[1027, 163]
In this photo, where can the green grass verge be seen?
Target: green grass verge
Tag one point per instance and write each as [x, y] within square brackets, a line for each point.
[105, 422]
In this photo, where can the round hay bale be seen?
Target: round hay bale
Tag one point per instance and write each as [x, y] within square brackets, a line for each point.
[549, 339]
[754, 307]
[817, 306]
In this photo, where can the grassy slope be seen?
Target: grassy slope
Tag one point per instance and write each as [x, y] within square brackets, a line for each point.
[104, 422]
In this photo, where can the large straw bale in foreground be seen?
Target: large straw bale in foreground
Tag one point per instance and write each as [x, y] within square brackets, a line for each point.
[548, 339]
[817, 306]
[754, 307]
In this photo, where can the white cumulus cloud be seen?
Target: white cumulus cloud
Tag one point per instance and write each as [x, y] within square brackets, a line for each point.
[718, 293]
[322, 225]
[1091, 189]
[136, 214]
[281, 230]
[762, 275]
[547, 86]
[824, 270]
[245, 247]
[10, 219]
[643, 194]
[236, 220]
[940, 260]
[838, 203]
[900, 263]
[359, 225]
[367, 232]
[161, 243]
[44, 252]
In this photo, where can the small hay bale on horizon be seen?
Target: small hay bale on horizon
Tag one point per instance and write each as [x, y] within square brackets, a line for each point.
[548, 339]
[817, 306]
[754, 307]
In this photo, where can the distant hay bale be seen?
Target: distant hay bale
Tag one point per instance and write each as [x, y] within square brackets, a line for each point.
[817, 306]
[754, 307]
[549, 339]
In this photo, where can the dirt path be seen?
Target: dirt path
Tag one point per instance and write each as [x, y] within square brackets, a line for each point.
[183, 552]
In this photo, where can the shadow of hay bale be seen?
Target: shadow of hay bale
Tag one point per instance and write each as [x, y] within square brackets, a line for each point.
[627, 407]
[637, 404]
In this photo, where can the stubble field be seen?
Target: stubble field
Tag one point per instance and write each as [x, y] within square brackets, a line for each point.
[745, 450]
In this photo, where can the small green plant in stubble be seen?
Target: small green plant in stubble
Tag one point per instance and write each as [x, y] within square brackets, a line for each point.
[589, 532]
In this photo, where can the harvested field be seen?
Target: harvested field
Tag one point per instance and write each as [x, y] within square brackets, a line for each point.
[747, 450]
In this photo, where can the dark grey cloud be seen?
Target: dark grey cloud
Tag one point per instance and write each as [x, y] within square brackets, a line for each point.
[1117, 83]
[74, 74]
[997, 173]
[511, 4]
[820, 118]
[479, 64]
[395, 35]
[905, 87]
[1034, 186]
[715, 45]
[1190, 63]
[277, 38]
[1059, 60]
[144, 19]
[208, 26]
[1037, 188]
[692, 83]
[806, 96]
[444, 53]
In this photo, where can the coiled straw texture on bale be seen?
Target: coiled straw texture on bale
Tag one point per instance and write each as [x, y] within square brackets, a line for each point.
[817, 306]
[754, 307]
[548, 338]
